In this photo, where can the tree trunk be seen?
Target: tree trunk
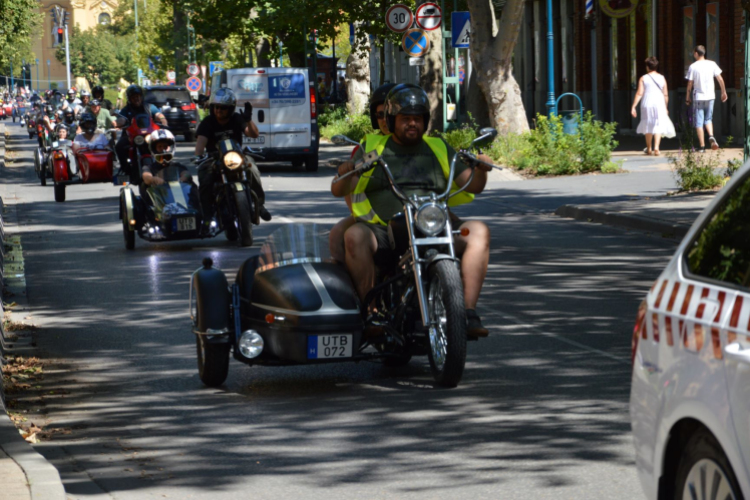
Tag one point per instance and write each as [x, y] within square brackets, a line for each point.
[262, 52]
[476, 104]
[358, 74]
[492, 58]
[431, 80]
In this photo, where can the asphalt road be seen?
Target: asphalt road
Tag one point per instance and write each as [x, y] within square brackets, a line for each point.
[541, 411]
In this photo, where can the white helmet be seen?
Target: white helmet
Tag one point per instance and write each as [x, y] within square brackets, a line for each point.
[158, 136]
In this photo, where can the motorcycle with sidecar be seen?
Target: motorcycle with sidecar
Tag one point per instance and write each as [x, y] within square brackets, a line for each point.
[292, 304]
[90, 165]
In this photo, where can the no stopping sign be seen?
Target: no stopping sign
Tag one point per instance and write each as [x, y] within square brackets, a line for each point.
[399, 18]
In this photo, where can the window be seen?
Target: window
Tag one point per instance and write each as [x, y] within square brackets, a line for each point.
[161, 97]
[722, 249]
[105, 18]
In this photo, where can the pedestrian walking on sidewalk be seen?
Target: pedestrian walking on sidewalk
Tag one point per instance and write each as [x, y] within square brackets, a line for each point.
[653, 95]
[700, 79]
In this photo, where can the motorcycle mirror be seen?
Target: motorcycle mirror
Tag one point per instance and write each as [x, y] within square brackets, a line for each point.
[340, 140]
[486, 136]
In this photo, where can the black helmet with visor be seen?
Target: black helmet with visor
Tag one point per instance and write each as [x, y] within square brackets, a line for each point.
[406, 99]
[88, 123]
[377, 98]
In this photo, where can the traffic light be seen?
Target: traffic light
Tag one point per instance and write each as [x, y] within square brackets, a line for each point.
[54, 16]
[66, 18]
[59, 35]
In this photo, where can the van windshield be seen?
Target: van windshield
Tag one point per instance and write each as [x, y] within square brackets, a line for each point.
[160, 97]
[249, 86]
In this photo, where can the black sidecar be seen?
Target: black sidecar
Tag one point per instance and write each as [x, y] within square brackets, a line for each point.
[291, 304]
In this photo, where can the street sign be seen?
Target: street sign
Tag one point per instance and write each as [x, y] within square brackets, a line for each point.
[193, 84]
[193, 69]
[171, 75]
[215, 66]
[415, 43]
[429, 16]
[399, 18]
[460, 30]
[416, 61]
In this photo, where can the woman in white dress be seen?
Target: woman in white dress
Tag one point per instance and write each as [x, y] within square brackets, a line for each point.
[653, 95]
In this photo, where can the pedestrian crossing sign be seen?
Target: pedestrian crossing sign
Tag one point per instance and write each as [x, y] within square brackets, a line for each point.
[460, 30]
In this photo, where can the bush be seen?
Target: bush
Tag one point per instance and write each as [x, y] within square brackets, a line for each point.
[694, 171]
[732, 167]
[354, 127]
[547, 150]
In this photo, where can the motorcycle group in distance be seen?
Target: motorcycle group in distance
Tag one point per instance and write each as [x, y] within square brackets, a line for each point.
[292, 303]
[72, 149]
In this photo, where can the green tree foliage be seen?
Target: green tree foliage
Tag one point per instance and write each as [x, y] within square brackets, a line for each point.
[19, 21]
[98, 55]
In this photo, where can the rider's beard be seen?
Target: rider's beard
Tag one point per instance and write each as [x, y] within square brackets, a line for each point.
[410, 136]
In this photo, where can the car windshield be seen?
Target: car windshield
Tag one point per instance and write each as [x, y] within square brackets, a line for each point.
[161, 97]
[294, 244]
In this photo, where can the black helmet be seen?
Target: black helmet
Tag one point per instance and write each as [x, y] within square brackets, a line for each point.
[223, 97]
[69, 116]
[406, 99]
[49, 110]
[134, 90]
[377, 98]
[97, 92]
[87, 123]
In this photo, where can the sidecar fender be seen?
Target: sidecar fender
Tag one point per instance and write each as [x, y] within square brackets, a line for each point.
[60, 170]
[212, 302]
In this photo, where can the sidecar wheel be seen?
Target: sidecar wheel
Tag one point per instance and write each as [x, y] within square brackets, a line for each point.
[447, 349]
[60, 192]
[213, 361]
[127, 234]
[244, 219]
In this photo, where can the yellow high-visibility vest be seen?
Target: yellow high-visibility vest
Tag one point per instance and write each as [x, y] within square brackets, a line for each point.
[361, 207]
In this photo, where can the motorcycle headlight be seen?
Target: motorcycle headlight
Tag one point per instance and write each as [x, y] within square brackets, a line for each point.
[139, 140]
[232, 160]
[251, 344]
[430, 219]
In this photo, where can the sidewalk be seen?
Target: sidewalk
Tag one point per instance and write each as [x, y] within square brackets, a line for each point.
[24, 473]
[670, 216]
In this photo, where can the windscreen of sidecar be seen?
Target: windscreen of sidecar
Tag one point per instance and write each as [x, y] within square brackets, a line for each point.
[295, 244]
[173, 196]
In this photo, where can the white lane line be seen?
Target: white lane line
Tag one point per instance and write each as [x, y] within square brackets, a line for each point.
[537, 331]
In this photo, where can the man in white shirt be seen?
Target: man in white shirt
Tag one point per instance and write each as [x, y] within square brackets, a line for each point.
[90, 137]
[700, 78]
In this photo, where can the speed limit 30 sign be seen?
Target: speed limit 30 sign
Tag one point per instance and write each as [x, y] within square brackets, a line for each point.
[399, 18]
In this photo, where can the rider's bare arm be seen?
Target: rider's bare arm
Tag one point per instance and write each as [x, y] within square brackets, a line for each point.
[162, 119]
[200, 145]
[345, 187]
[480, 176]
[151, 180]
[251, 130]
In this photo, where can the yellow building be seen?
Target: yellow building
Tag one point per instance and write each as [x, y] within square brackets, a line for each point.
[83, 13]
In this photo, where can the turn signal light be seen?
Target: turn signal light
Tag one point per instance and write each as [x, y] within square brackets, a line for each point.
[465, 232]
[59, 155]
[313, 101]
[270, 318]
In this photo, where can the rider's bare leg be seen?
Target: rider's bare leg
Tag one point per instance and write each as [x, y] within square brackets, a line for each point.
[361, 246]
[475, 259]
[336, 238]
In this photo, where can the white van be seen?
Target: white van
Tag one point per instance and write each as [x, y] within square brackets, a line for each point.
[284, 109]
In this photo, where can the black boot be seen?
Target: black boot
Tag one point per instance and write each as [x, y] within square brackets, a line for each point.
[264, 214]
[474, 327]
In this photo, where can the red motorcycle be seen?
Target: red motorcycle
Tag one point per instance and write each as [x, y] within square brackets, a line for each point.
[140, 126]
[91, 165]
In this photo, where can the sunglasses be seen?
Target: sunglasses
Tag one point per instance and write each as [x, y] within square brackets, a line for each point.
[222, 108]
[380, 115]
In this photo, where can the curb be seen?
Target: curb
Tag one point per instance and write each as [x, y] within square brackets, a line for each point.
[43, 478]
[600, 216]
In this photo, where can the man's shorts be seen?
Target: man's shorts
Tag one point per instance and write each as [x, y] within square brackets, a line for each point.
[704, 113]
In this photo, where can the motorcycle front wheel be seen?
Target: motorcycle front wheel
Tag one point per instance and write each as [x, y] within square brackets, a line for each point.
[447, 334]
[127, 233]
[244, 219]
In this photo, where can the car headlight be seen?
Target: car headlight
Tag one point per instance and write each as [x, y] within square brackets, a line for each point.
[251, 344]
[430, 219]
[139, 140]
[232, 160]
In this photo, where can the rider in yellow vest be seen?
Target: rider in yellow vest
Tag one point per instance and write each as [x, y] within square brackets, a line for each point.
[419, 165]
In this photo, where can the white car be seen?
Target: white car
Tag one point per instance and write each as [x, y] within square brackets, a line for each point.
[690, 394]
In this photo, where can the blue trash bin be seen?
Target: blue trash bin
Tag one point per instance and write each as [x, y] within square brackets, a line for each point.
[571, 119]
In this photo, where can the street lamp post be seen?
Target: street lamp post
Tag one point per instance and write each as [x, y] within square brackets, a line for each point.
[12, 81]
[37, 75]
[23, 73]
[49, 78]
[747, 82]
[550, 61]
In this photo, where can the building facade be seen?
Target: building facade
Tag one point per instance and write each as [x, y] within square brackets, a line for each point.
[83, 13]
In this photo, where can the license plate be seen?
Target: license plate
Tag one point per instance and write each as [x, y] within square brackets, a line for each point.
[329, 346]
[173, 110]
[254, 140]
[186, 224]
